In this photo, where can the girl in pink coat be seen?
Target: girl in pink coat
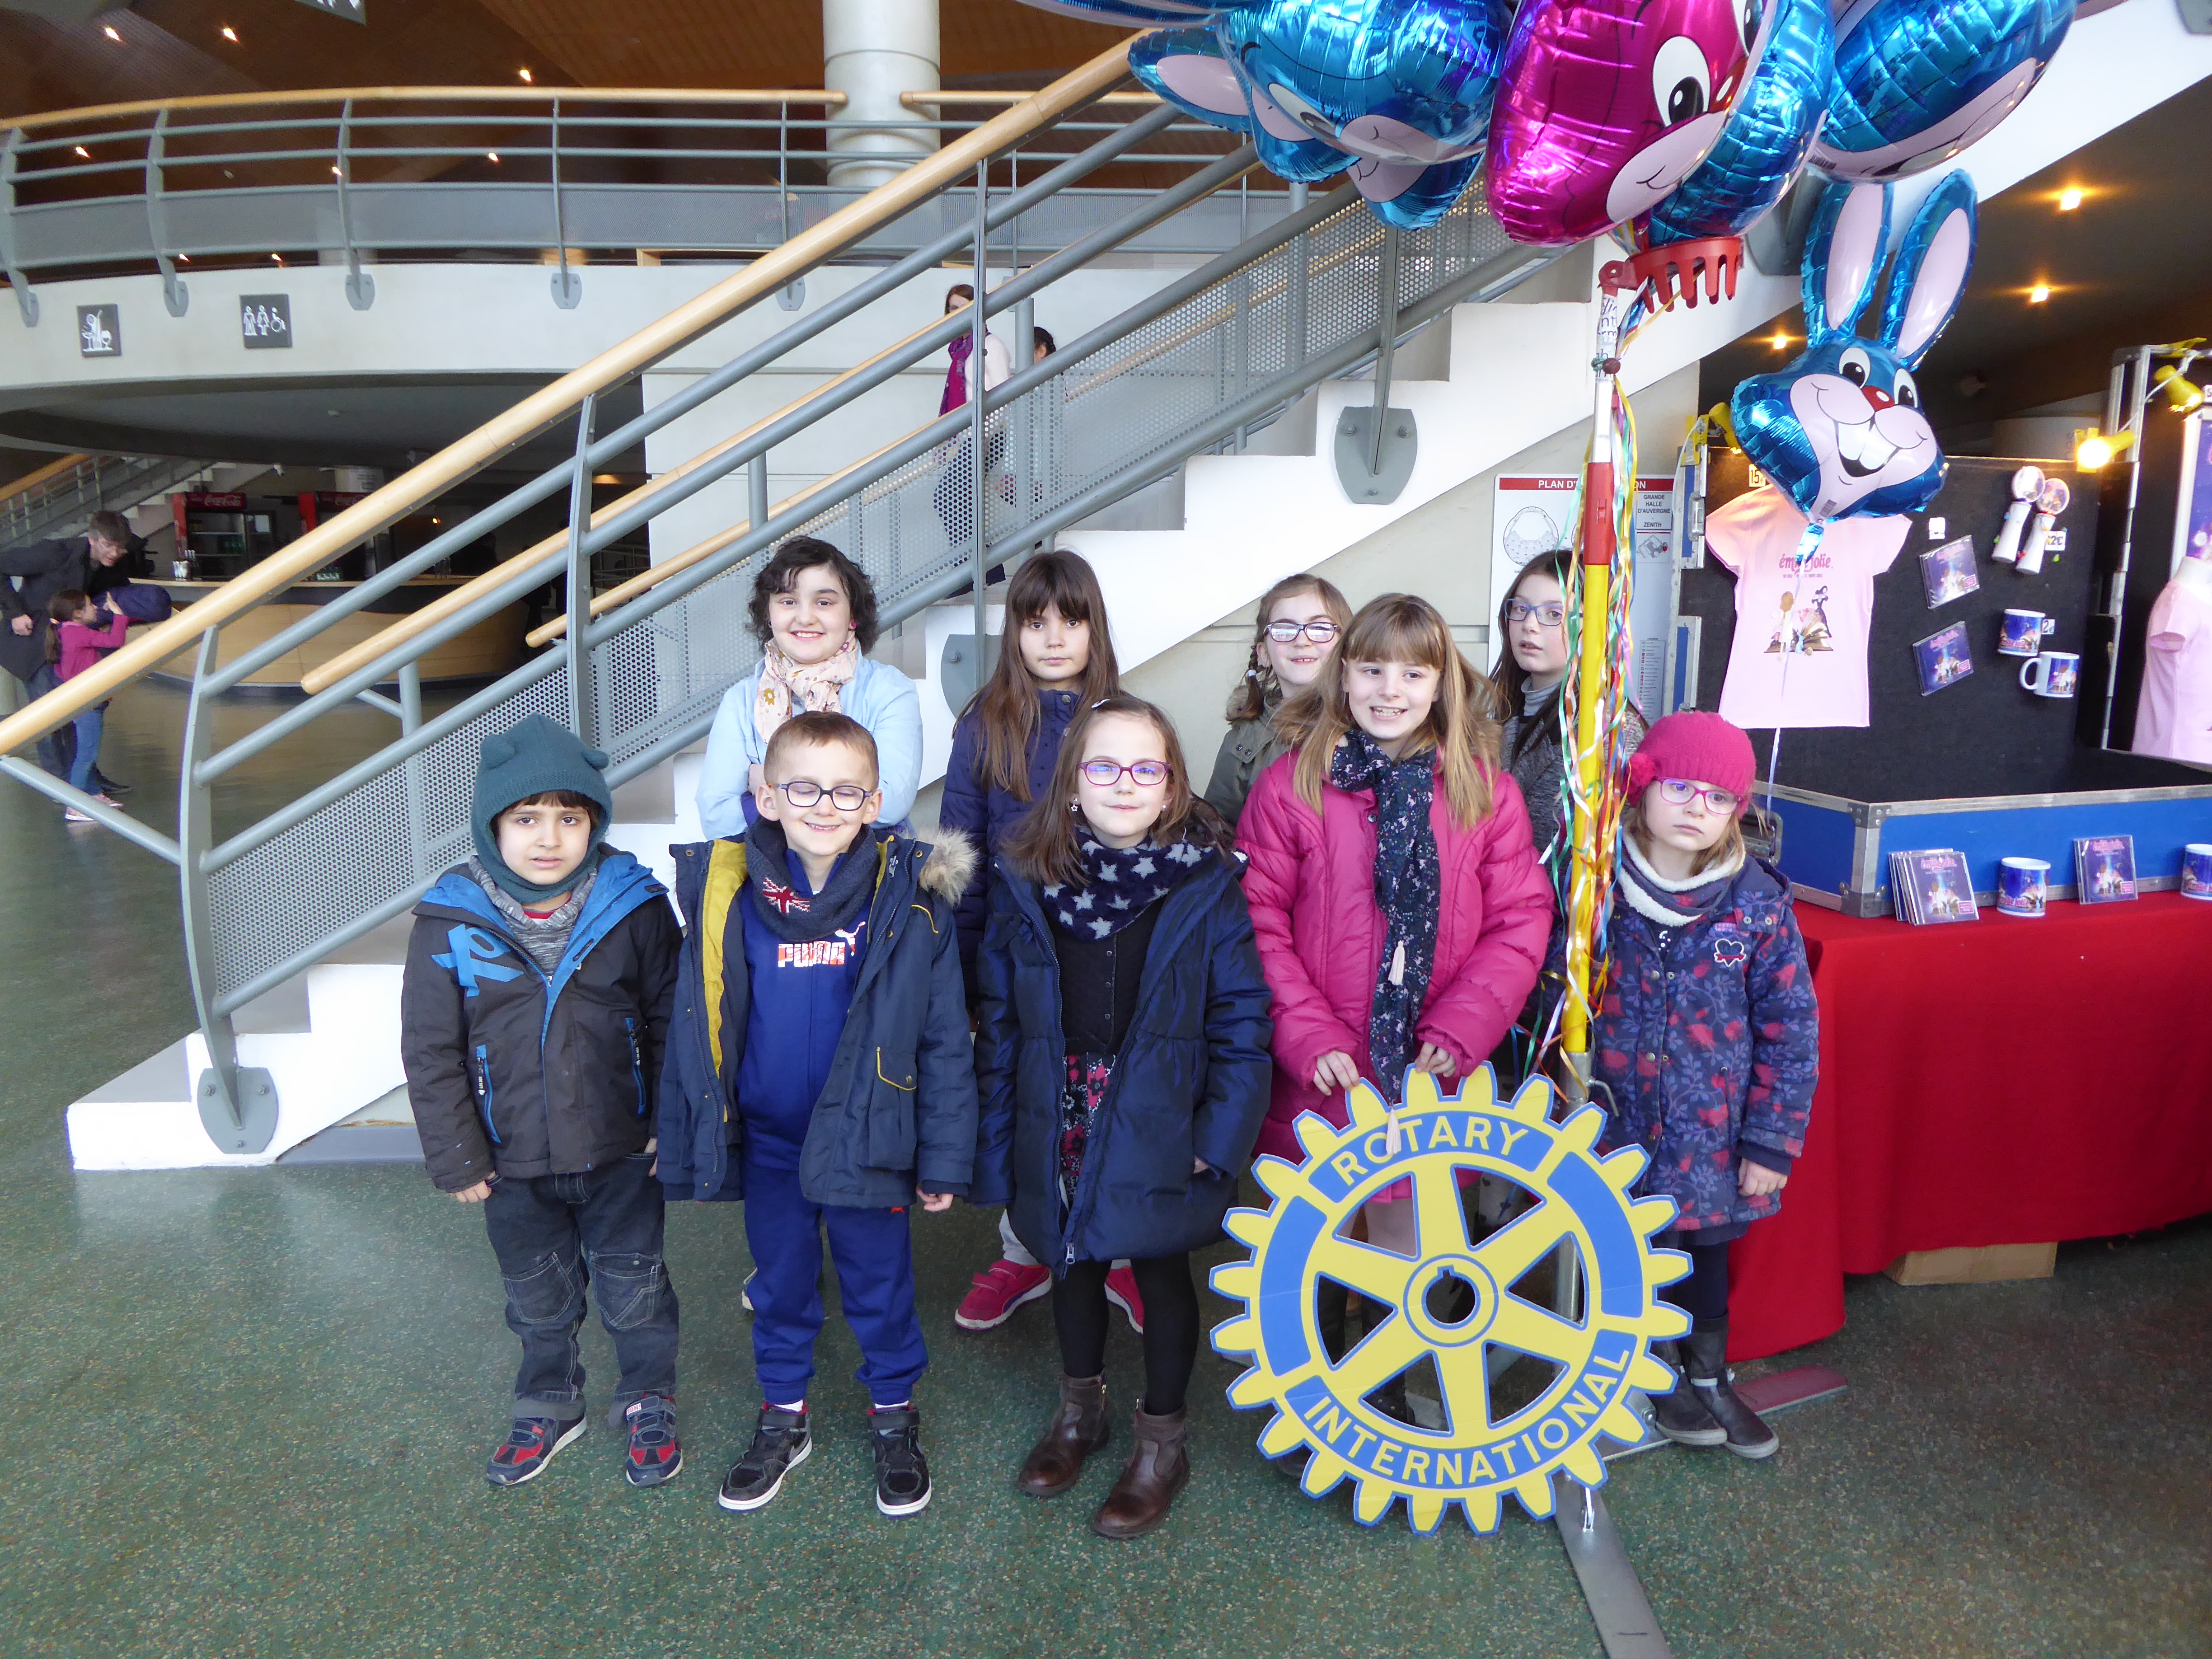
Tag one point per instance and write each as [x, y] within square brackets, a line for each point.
[1401, 912]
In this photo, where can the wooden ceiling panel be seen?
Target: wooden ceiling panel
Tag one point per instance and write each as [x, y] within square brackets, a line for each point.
[674, 43]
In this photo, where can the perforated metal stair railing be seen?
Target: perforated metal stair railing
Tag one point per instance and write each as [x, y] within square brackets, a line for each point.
[64, 504]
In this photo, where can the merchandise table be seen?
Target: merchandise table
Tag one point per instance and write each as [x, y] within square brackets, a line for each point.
[1996, 1082]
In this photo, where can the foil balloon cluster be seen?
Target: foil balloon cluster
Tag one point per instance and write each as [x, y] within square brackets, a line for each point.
[1395, 93]
[1917, 81]
[1840, 430]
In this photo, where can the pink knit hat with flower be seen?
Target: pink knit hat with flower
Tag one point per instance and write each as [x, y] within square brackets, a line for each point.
[1700, 747]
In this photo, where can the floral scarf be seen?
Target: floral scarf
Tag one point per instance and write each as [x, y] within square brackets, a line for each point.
[787, 688]
[1119, 882]
[1408, 886]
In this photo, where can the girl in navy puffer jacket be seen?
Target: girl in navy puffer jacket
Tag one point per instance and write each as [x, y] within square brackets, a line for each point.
[1123, 1067]
[1707, 1039]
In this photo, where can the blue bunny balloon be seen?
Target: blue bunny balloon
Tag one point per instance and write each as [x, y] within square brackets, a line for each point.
[1917, 81]
[1397, 93]
[1840, 430]
[1148, 13]
[1769, 133]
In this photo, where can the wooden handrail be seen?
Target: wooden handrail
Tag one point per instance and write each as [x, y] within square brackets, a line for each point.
[31, 481]
[554, 547]
[504, 432]
[427, 94]
[924, 99]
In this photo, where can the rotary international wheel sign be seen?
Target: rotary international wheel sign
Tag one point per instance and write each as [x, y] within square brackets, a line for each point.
[1475, 1459]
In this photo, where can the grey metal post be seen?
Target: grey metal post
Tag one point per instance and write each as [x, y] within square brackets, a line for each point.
[360, 287]
[174, 295]
[1389, 346]
[978, 338]
[567, 287]
[410, 717]
[237, 1104]
[1294, 350]
[1023, 436]
[583, 713]
[756, 489]
[25, 300]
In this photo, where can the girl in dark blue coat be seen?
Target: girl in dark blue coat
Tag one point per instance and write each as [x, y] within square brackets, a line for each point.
[1707, 1040]
[1122, 1061]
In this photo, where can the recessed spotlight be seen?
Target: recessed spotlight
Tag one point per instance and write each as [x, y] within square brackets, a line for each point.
[336, 173]
[2038, 293]
[109, 30]
[1780, 341]
[491, 155]
[2068, 199]
[230, 34]
[525, 75]
[82, 151]
[184, 258]
[278, 258]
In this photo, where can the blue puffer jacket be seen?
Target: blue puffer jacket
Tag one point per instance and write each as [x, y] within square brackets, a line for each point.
[1190, 1081]
[898, 1110]
[984, 813]
[1710, 1038]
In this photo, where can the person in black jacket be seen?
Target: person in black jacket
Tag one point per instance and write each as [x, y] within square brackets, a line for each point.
[1123, 1059]
[819, 1068]
[92, 563]
[532, 1019]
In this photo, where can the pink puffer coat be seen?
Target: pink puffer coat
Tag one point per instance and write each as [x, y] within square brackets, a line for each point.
[1311, 888]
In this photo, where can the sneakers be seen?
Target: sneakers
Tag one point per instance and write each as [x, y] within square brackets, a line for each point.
[746, 1292]
[656, 1457]
[780, 1444]
[1122, 1291]
[1004, 1286]
[901, 1472]
[71, 815]
[529, 1447]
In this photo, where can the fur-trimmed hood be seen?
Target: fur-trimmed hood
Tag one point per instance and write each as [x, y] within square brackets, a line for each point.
[949, 864]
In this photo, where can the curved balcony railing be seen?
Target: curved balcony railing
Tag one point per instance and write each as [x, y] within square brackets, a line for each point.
[369, 175]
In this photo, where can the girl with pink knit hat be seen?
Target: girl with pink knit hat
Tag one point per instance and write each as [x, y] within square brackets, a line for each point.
[1707, 1040]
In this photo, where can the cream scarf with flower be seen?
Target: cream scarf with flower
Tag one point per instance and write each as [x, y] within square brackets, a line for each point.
[787, 688]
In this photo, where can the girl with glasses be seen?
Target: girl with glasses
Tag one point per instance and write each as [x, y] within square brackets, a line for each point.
[1400, 912]
[1122, 1065]
[1293, 640]
[1707, 1040]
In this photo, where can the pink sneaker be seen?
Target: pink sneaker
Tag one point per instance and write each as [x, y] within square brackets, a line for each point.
[1122, 1291]
[999, 1289]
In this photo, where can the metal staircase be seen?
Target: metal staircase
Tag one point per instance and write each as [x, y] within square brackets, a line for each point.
[60, 500]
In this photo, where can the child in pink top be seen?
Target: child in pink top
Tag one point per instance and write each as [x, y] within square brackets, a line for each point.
[80, 639]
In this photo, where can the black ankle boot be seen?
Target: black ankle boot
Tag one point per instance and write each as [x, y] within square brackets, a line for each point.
[1679, 1414]
[1746, 1436]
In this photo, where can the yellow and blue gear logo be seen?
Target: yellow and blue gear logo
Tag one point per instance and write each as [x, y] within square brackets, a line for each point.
[1472, 1462]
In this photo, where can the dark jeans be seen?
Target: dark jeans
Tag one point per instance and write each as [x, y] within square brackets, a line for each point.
[555, 1234]
[1078, 1315]
[57, 748]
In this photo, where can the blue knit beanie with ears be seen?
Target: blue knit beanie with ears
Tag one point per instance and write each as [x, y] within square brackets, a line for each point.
[521, 764]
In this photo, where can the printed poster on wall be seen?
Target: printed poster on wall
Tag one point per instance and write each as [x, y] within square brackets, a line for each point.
[1530, 517]
[1651, 606]
[1534, 514]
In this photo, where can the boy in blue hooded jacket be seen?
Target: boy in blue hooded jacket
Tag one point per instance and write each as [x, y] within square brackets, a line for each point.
[534, 1016]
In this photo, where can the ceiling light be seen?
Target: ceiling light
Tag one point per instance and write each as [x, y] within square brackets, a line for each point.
[109, 30]
[278, 258]
[491, 155]
[184, 258]
[82, 151]
[335, 173]
[525, 75]
[2068, 199]
[230, 34]
[1780, 341]
[2038, 293]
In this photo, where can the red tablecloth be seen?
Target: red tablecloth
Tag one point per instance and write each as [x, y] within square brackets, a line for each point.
[1996, 1082]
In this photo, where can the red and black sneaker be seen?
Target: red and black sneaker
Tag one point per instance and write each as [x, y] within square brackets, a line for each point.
[529, 1447]
[655, 1455]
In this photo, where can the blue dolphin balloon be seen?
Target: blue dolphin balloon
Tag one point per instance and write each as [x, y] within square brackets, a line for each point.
[1841, 430]
[1395, 92]
[1144, 15]
[1917, 81]
[1769, 133]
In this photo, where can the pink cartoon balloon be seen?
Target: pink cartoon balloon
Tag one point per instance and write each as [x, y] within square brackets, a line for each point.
[1605, 106]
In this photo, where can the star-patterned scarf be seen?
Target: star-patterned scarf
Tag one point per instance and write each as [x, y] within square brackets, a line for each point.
[1118, 883]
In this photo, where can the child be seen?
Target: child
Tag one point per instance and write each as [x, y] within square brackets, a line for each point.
[1400, 912]
[820, 1070]
[814, 613]
[534, 1010]
[80, 639]
[1708, 1038]
[1004, 751]
[1293, 640]
[1125, 1078]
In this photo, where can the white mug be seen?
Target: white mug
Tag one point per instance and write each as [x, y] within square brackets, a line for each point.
[2053, 674]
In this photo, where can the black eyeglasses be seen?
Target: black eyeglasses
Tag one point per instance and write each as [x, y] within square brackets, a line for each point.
[1547, 616]
[1321, 632]
[846, 797]
[1146, 774]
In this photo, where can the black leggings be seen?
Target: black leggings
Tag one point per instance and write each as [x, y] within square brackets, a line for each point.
[1703, 1294]
[1079, 1313]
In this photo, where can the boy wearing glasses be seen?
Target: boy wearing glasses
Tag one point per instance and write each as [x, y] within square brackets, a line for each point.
[819, 1069]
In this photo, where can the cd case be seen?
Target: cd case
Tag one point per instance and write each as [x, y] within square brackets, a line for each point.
[1943, 658]
[2104, 868]
[1948, 572]
[1932, 886]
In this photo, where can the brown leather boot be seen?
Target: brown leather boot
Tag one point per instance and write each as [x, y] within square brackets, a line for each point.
[1077, 1429]
[1157, 1469]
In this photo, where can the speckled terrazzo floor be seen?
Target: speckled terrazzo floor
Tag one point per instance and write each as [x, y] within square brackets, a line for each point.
[246, 1412]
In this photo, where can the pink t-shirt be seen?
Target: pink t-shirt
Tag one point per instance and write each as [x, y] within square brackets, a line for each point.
[1799, 657]
[2174, 716]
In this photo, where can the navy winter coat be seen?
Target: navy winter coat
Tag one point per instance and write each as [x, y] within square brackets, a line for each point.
[1190, 1080]
[1710, 1038]
[513, 1072]
[898, 1111]
[985, 814]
